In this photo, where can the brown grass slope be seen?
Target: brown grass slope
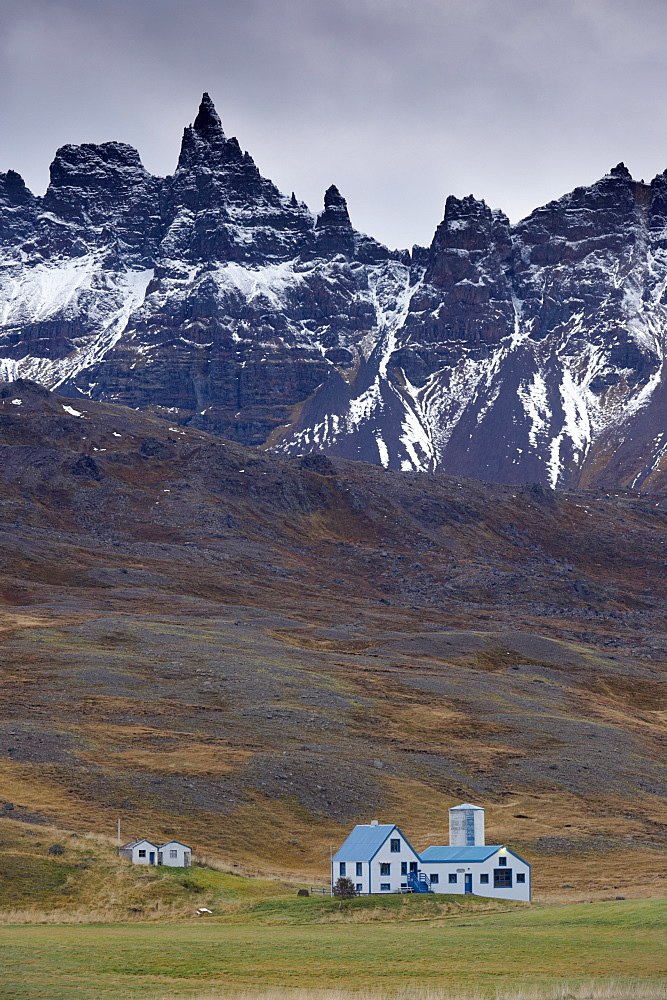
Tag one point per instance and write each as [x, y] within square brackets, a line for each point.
[252, 652]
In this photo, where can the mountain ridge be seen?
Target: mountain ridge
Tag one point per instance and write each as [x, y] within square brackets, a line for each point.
[531, 352]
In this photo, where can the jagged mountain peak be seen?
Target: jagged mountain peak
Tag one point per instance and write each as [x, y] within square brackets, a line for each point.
[620, 170]
[207, 123]
[14, 189]
[335, 209]
[205, 145]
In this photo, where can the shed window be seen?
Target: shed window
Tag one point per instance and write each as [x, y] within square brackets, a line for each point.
[484, 879]
[502, 878]
[358, 887]
[520, 877]
[142, 854]
[395, 846]
[173, 854]
[435, 879]
[502, 862]
[452, 877]
[404, 868]
[341, 868]
[385, 868]
[359, 872]
[385, 887]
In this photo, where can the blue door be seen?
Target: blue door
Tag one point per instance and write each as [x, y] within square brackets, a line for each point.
[151, 857]
[468, 887]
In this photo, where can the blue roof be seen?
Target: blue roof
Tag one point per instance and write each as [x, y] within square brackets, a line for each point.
[364, 842]
[459, 853]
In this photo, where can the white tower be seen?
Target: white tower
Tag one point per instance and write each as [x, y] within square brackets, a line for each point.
[466, 826]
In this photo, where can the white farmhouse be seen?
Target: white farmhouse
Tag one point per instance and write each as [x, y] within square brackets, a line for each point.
[139, 852]
[379, 858]
[173, 854]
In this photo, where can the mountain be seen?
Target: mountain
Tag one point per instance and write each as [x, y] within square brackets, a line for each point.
[251, 651]
[509, 353]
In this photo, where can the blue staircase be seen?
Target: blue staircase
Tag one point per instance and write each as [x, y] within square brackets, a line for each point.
[419, 882]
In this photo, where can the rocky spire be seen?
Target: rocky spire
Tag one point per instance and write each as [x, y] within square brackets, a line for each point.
[14, 189]
[335, 210]
[620, 170]
[206, 138]
[207, 123]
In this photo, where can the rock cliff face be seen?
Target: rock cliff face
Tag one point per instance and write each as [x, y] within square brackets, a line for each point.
[527, 353]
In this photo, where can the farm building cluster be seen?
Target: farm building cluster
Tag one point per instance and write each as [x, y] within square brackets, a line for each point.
[173, 854]
[378, 858]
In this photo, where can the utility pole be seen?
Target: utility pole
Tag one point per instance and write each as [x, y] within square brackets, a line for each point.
[119, 830]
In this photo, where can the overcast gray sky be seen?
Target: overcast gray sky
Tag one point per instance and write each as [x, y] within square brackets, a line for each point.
[398, 102]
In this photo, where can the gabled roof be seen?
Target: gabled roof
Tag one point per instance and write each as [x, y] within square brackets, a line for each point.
[459, 853]
[177, 842]
[366, 840]
[135, 843]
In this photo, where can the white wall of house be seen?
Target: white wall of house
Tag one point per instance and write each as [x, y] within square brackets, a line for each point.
[175, 855]
[371, 879]
[459, 869]
[143, 853]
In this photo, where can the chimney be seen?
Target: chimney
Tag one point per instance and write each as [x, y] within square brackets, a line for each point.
[374, 822]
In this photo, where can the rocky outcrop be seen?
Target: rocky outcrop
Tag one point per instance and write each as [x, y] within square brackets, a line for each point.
[527, 353]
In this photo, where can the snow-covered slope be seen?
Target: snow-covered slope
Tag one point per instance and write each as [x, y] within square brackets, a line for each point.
[525, 353]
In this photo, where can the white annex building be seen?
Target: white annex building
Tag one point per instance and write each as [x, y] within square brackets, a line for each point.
[378, 858]
[139, 852]
[173, 854]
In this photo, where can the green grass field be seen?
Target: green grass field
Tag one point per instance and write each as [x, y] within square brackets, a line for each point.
[518, 949]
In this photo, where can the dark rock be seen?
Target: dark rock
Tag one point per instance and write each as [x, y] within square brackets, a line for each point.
[86, 467]
[319, 463]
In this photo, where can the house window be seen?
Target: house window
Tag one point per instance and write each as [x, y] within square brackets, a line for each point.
[404, 868]
[502, 862]
[358, 887]
[452, 877]
[502, 878]
[385, 869]
[520, 877]
[359, 872]
[484, 879]
[395, 846]
[142, 854]
[385, 887]
[341, 868]
[173, 854]
[435, 879]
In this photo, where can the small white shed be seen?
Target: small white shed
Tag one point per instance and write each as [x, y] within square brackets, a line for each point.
[173, 854]
[139, 852]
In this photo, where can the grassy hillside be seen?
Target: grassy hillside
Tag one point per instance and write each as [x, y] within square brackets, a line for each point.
[89, 881]
[531, 950]
[251, 653]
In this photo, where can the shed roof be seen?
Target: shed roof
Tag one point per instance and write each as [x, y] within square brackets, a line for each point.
[365, 841]
[459, 853]
[466, 805]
